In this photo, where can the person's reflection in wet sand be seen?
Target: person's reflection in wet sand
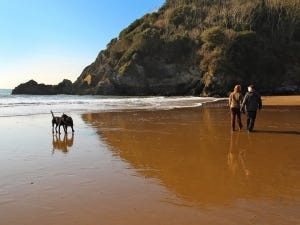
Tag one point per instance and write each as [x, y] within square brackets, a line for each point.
[236, 155]
[62, 144]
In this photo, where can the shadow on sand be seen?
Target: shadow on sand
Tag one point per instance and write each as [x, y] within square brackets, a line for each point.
[278, 132]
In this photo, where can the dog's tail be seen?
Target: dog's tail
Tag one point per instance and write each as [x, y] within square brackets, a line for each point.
[52, 113]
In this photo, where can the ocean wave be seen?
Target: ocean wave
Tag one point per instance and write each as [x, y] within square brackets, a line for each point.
[22, 105]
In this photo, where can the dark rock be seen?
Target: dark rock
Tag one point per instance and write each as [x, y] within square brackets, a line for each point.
[64, 87]
[33, 88]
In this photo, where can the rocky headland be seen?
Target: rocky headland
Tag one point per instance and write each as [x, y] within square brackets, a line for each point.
[196, 47]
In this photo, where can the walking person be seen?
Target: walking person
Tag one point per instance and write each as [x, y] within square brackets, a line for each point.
[251, 102]
[235, 101]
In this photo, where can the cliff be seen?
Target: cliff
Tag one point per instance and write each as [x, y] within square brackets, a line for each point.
[200, 47]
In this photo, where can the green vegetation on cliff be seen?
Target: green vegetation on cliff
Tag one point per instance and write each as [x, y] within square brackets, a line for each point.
[202, 47]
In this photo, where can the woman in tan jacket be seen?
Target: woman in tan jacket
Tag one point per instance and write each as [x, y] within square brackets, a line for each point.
[235, 101]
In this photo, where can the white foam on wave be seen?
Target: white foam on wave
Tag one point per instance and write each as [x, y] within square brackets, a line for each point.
[20, 105]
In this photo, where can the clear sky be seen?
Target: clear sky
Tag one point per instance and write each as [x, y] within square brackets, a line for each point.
[49, 40]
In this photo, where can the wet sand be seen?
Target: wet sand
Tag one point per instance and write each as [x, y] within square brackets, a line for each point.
[281, 100]
[180, 166]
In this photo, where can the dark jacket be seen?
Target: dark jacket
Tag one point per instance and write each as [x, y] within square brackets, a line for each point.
[251, 102]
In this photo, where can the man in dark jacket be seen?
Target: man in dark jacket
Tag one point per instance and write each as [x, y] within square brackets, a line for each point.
[251, 102]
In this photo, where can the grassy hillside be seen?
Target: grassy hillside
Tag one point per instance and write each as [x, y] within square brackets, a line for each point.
[202, 47]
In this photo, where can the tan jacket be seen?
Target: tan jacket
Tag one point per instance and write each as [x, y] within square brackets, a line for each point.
[235, 100]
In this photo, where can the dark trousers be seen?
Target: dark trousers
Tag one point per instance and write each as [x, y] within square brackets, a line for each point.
[236, 114]
[251, 115]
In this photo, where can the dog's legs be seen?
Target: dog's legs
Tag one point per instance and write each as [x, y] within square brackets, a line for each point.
[56, 128]
[72, 129]
[59, 128]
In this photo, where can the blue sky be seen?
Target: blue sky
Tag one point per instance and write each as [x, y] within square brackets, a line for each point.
[49, 40]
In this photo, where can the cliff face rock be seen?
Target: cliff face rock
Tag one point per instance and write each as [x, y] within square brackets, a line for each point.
[200, 47]
[150, 76]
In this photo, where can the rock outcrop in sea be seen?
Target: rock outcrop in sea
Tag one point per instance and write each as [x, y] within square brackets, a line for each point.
[33, 88]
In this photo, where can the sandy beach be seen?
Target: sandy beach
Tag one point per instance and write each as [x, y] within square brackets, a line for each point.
[281, 100]
[169, 167]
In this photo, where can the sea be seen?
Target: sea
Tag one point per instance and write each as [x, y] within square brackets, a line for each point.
[26, 105]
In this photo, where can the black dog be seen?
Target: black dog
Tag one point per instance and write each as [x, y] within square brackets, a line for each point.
[67, 121]
[64, 121]
[57, 121]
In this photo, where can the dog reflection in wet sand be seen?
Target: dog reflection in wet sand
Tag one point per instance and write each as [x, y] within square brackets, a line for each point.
[62, 144]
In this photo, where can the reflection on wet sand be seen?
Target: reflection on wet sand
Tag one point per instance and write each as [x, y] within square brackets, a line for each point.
[187, 150]
[62, 144]
[237, 155]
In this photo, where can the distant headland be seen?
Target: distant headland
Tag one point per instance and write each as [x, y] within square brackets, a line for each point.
[196, 48]
[33, 88]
